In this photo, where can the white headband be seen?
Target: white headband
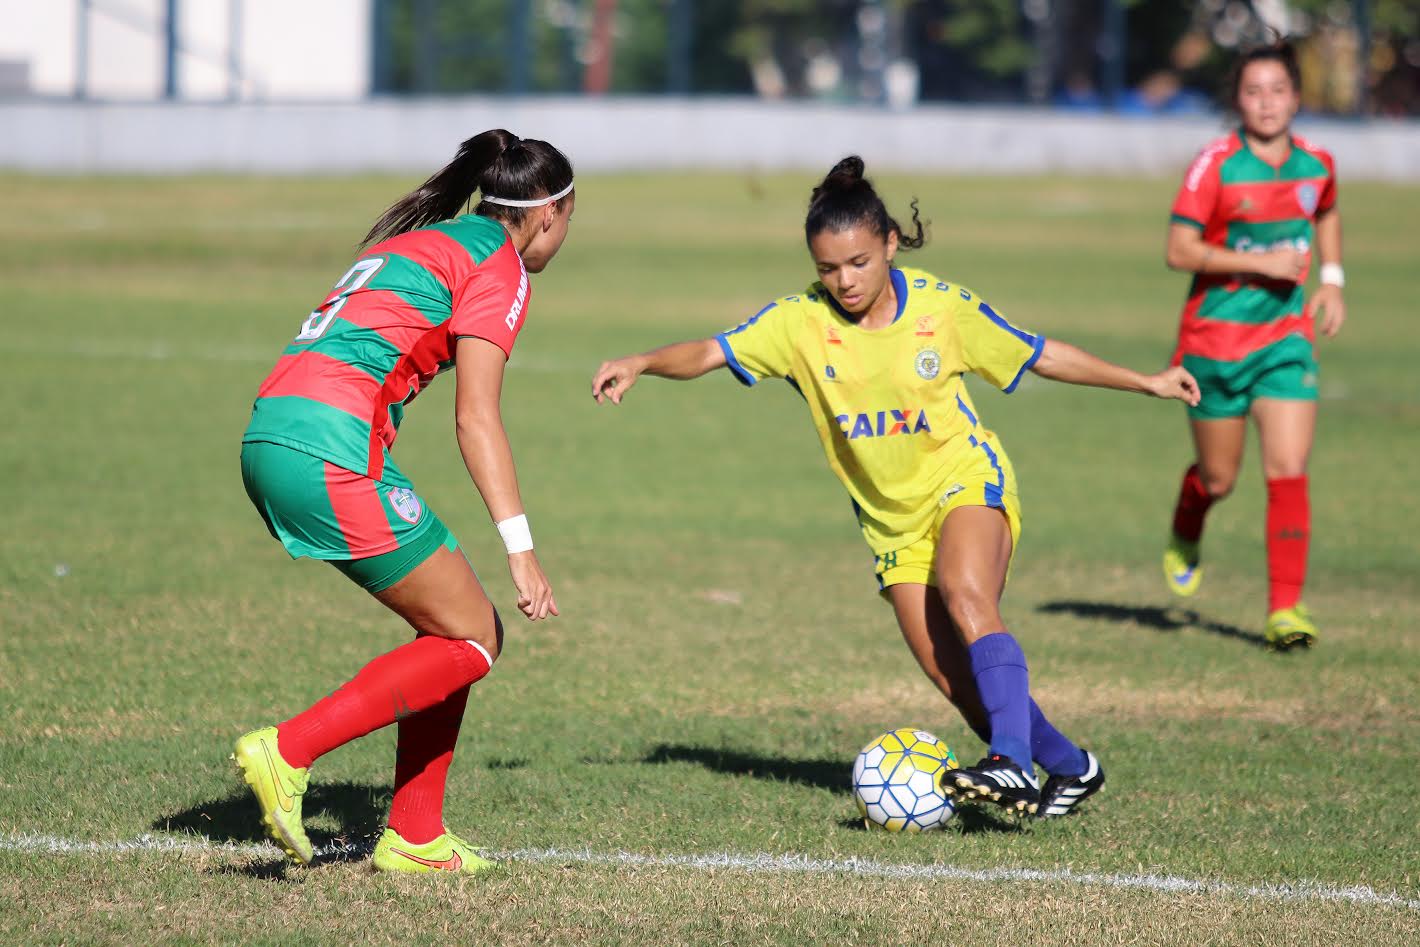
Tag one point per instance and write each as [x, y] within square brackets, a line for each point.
[535, 202]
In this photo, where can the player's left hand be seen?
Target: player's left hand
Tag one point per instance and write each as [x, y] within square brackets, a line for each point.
[1176, 383]
[1327, 300]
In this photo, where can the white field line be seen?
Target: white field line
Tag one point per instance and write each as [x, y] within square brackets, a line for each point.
[762, 863]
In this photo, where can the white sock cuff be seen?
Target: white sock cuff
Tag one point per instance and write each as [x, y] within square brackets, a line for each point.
[481, 650]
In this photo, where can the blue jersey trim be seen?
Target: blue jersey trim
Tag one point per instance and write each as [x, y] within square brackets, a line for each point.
[743, 376]
[961, 405]
[990, 313]
[751, 320]
[1029, 364]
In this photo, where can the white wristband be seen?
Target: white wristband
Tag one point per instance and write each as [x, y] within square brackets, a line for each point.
[517, 537]
[1333, 275]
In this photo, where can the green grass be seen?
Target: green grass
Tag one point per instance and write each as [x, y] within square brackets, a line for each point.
[722, 653]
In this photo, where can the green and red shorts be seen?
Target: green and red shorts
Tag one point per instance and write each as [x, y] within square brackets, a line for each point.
[374, 531]
[1285, 369]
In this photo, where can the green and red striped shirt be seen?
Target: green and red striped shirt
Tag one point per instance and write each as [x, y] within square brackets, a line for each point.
[390, 325]
[1243, 203]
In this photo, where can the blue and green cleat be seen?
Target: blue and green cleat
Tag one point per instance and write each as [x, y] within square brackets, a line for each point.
[1181, 569]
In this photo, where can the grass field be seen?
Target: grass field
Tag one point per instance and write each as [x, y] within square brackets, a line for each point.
[668, 760]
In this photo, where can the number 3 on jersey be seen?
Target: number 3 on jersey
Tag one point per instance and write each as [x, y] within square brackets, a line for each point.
[320, 320]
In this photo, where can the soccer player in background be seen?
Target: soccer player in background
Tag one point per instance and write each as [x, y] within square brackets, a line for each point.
[1253, 207]
[878, 354]
[433, 291]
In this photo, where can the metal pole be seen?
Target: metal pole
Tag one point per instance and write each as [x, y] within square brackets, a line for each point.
[519, 47]
[426, 47]
[234, 49]
[380, 52]
[170, 83]
[678, 48]
[1112, 53]
[81, 52]
[1361, 14]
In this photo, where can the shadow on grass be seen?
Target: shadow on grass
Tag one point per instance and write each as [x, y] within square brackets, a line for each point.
[820, 774]
[1152, 616]
[969, 820]
[358, 808]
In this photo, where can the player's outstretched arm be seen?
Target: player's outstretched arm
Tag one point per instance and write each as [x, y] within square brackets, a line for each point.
[478, 366]
[1061, 361]
[681, 361]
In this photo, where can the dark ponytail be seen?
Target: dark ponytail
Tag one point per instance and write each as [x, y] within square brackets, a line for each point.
[1280, 50]
[496, 162]
[846, 199]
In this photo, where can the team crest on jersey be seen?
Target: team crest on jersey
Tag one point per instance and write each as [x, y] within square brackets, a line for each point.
[1307, 197]
[406, 505]
[832, 336]
[928, 364]
[924, 326]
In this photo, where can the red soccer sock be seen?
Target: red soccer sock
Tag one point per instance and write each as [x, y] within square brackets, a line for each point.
[411, 678]
[1193, 503]
[1288, 535]
[422, 757]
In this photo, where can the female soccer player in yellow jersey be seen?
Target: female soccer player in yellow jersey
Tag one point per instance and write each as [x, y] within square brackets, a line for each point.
[878, 354]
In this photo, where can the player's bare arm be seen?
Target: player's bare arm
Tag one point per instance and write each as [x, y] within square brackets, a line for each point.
[483, 442]
[681, 361]
[1061, 361]
[1187, 251]
[1327, 300]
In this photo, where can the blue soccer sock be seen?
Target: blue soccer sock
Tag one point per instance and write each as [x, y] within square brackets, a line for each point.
[1052, 749]
[999, 666]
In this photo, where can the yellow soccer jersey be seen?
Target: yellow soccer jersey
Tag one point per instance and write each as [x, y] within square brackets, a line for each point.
[891, 409]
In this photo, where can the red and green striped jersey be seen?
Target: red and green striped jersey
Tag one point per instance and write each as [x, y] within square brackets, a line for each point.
[1243, 203]
[391, 324]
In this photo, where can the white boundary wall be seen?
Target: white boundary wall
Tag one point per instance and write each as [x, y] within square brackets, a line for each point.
[640, 134]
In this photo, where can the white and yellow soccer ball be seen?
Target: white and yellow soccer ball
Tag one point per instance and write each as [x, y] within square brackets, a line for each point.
[897, 781]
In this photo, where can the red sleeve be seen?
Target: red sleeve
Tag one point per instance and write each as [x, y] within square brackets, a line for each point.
[1328, 190]
[1198, 196]
[492, 302]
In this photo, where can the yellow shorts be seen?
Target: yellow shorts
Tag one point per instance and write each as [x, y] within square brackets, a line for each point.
[916, 562]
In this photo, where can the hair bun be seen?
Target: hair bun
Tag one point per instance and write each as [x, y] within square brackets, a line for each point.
[846, 175]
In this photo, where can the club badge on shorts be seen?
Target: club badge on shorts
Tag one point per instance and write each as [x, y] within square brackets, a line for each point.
[1307, 197]
[406, 505]
[928, 364]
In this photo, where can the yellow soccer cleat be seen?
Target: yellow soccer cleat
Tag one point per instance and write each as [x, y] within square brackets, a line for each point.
[278, 787]
[1289, 628]
[1181, 568]
[448, 853]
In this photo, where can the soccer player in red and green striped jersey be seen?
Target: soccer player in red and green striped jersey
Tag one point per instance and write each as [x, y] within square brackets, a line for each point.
[433, 291]
[1254, 208]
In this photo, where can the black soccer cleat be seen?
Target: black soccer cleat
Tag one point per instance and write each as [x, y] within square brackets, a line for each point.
[1063, 793]
[995, 779]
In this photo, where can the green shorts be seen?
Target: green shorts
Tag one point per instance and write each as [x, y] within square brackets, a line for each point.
[374, 531]
[1285, 369]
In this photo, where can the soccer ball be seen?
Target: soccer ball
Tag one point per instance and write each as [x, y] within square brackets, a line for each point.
[897, 781]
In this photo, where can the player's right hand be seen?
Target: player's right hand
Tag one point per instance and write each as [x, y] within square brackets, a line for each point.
[1285, 264]
[615, 378]
[534, 591]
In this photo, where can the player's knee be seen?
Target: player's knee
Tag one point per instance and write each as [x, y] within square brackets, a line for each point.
[973, 611]
[1219, 483]
[482, 626]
